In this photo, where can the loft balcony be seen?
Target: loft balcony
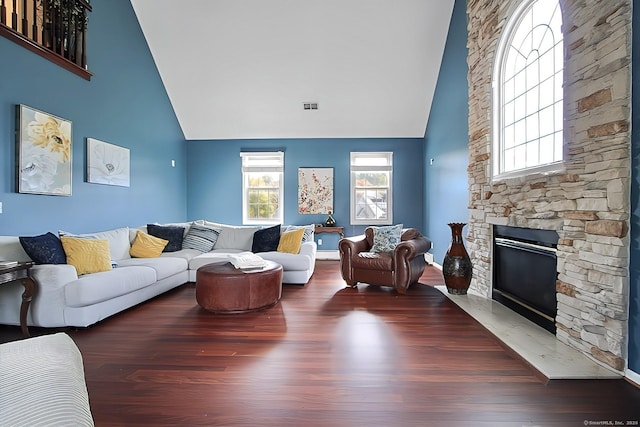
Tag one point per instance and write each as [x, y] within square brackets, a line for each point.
[54, 29]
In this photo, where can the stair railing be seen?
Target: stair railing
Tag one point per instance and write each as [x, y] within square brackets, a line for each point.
[54, 29]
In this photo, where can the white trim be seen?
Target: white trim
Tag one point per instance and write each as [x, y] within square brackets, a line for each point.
[354, 167]
[328, 255]
[428, 258]
[509, 30]
[266, 162]
[632, 376]
[549, 169]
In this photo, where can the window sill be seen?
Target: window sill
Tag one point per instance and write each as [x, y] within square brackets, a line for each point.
[371, 222]
[550, 169]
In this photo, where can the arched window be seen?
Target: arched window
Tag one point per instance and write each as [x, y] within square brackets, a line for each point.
[527, 91]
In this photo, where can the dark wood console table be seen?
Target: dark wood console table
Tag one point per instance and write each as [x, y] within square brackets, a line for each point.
[339, 230]
[21, 272]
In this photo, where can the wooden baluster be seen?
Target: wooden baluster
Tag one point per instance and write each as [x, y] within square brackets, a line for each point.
[44, 23]
[71, 45]
[55, 27]
[83, 59]
[58, 33]
[68, 22]
[77, 55]
[50, 28]
[3, 13]
[64, 29]
[25, 21]
[34, 27]
[14, 15]
[81, 43]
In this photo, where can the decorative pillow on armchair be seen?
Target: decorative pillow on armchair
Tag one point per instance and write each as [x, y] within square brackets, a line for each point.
[385, 239]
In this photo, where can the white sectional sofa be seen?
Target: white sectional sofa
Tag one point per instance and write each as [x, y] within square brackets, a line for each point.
[64, 298]
[42, 383]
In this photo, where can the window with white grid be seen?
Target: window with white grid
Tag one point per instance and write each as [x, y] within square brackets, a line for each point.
[371, 201]
[262, 187]
[528, 92]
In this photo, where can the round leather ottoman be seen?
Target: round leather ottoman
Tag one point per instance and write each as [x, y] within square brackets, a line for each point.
[222, 288]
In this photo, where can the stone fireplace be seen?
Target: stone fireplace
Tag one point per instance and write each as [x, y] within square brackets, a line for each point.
[588, 204]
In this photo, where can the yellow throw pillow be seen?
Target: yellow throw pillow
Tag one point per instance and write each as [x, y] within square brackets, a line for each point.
[87, 255]
[290, 241]
[147, 246]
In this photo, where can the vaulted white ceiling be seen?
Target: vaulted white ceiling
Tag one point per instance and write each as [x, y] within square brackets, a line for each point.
[236, 69]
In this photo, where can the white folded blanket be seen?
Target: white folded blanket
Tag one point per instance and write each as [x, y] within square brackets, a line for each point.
[246, 261]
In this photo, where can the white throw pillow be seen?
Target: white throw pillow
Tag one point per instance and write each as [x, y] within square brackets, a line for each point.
[234, 237]
[118, 238]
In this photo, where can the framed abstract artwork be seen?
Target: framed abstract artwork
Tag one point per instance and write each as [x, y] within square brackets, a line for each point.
[315, 190]
[43, 153]
[107, 163]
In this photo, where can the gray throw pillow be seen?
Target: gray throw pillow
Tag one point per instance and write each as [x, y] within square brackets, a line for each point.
[201, 238]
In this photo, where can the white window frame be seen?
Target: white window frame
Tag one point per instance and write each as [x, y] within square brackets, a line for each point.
[256, 162]
[370, 161]
[499, 140]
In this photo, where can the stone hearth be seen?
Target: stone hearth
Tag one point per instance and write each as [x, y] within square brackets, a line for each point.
[538, 347]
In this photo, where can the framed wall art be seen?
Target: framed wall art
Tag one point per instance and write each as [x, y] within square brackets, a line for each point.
[107, 163]
[43, 153]
[315, 190]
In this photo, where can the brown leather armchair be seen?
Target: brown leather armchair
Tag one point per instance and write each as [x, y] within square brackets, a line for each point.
[399, 269]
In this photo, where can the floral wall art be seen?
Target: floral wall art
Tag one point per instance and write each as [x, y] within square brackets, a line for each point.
[315, 190]
[43, 153]
[107, 163]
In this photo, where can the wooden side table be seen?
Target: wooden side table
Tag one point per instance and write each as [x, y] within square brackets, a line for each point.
[21, 272]
[339, 230]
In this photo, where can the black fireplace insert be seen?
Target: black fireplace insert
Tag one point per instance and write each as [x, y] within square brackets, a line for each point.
[525, 272]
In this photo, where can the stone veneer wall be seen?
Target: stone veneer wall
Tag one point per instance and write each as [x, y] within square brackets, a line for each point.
[588, 204]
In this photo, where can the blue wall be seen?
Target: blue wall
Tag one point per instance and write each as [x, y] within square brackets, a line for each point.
[124, 104]
[215, 187]
[634, 269]
[447, 140]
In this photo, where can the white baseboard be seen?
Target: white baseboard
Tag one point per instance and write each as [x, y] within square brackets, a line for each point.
[633, 377]
[428, 257]
[328, 255]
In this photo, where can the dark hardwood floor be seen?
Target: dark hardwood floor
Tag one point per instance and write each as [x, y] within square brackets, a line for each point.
[325, 355]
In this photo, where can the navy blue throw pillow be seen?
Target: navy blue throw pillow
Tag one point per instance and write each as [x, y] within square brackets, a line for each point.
[168, 232]
[266, 239]
[44, 249]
